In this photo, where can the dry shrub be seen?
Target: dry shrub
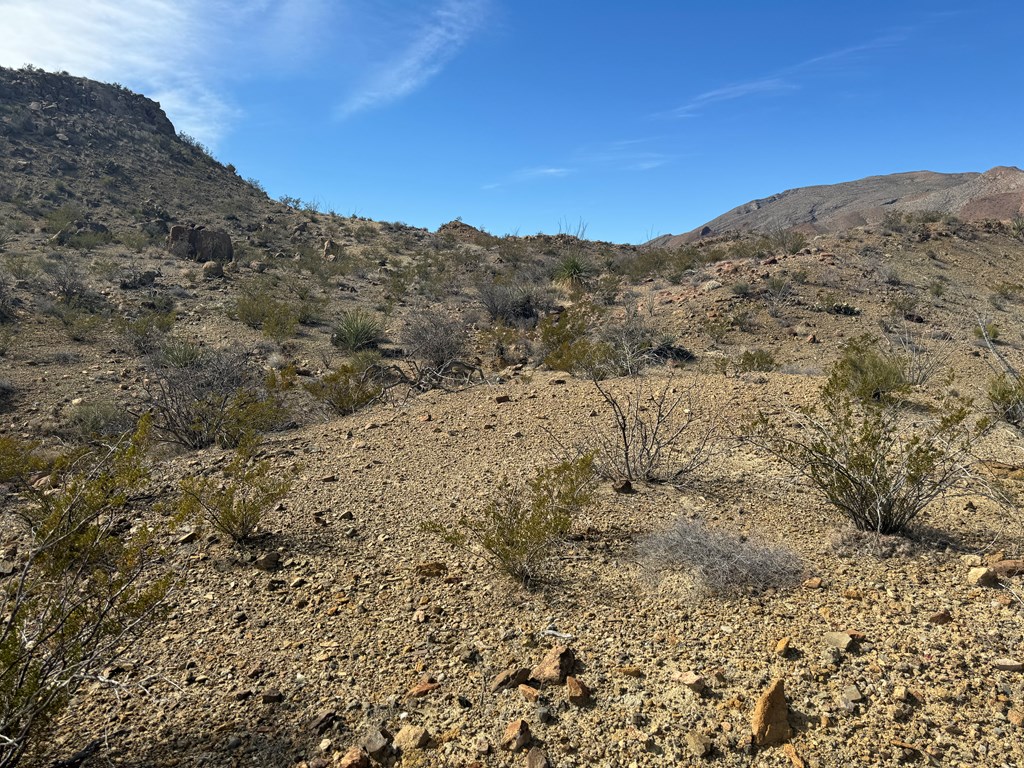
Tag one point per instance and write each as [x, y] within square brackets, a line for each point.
[656, 434]
[435, 339]
[720, 562]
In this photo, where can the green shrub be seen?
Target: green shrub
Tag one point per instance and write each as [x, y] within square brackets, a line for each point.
[88, 582]
[759, 360]
[100, 421]
[236, 502]
[146, 333]
[1006, 396]
[987, 331]
[347, 388]
[565, 344]
[358, 329]
[258, 309]
[218, 398]
[868, 371]
[786, 240]
[869, 460]
[7, 302]
[520, 525]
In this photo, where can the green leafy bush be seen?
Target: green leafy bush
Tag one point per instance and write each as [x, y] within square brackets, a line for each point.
[868, 371]
[520, 525]
[236, 502]
[88, 583]
[146, 333]
[347, 388]
[756, 360]
[1006, 396]
[869, 461]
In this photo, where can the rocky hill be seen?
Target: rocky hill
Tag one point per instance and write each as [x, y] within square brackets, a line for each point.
[439, 561]
[995, 194]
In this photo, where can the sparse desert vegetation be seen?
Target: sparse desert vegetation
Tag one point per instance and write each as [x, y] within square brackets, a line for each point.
[360, 477]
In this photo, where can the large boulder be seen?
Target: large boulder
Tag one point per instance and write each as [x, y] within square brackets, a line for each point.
[199, 244]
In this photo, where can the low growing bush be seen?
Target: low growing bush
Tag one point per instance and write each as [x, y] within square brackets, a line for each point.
[347, 388]
[720, 562]
[236, 502]
[520, 525]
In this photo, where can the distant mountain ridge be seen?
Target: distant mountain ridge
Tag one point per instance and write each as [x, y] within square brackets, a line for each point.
[995, 194]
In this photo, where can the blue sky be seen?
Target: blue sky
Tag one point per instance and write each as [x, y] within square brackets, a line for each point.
[633, 119]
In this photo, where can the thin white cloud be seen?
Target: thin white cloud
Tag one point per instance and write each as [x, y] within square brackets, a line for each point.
[531, 174]
[435, 42]
[178, 52]
[731, 93]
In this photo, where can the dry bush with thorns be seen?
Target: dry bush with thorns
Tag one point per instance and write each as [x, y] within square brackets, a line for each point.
[657, 433]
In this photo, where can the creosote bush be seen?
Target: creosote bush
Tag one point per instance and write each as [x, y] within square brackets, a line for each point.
[520, 525]
[869, 372]
[347, 388]
[1006, 396]
[87, 582]
[216, 396]
[236, 502]
[872, 463]
[720, 562]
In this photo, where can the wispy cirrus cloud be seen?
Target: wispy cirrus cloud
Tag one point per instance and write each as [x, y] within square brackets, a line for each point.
[434, 41]
[784, 79]
[178, 52]
[531, 174]
[731, 93]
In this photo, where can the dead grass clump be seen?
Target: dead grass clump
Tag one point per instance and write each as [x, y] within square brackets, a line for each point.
[720, 562]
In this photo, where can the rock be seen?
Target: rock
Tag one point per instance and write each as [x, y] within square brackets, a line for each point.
[536, 758]
[422, 688]
[982, 577]
[433, 570]
[814, 583]
[841, 640]
[622, 486]
[698, 744]
[693, 681]
[577, 691]
[1006, 569]
[851, 697]
[782, 647]
[502, 399]
[272, 696]
[529, 693]
[212, 269]
[411, 737]
[354, 758]
[1016, 717]
[188, 538]
[940, 618]
[555, 666]
[324, 720]
[375, 742]
[270, 561]
[517, 735]
[1008, 665]
[770, 721]
[795, 760]
[325, 745]
[510, 678]
[200, 244]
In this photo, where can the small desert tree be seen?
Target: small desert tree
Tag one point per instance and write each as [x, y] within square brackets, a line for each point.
[85, 586]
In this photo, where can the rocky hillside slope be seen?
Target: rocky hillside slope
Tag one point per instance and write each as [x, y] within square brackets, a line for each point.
[995, 194]
[349, 628]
